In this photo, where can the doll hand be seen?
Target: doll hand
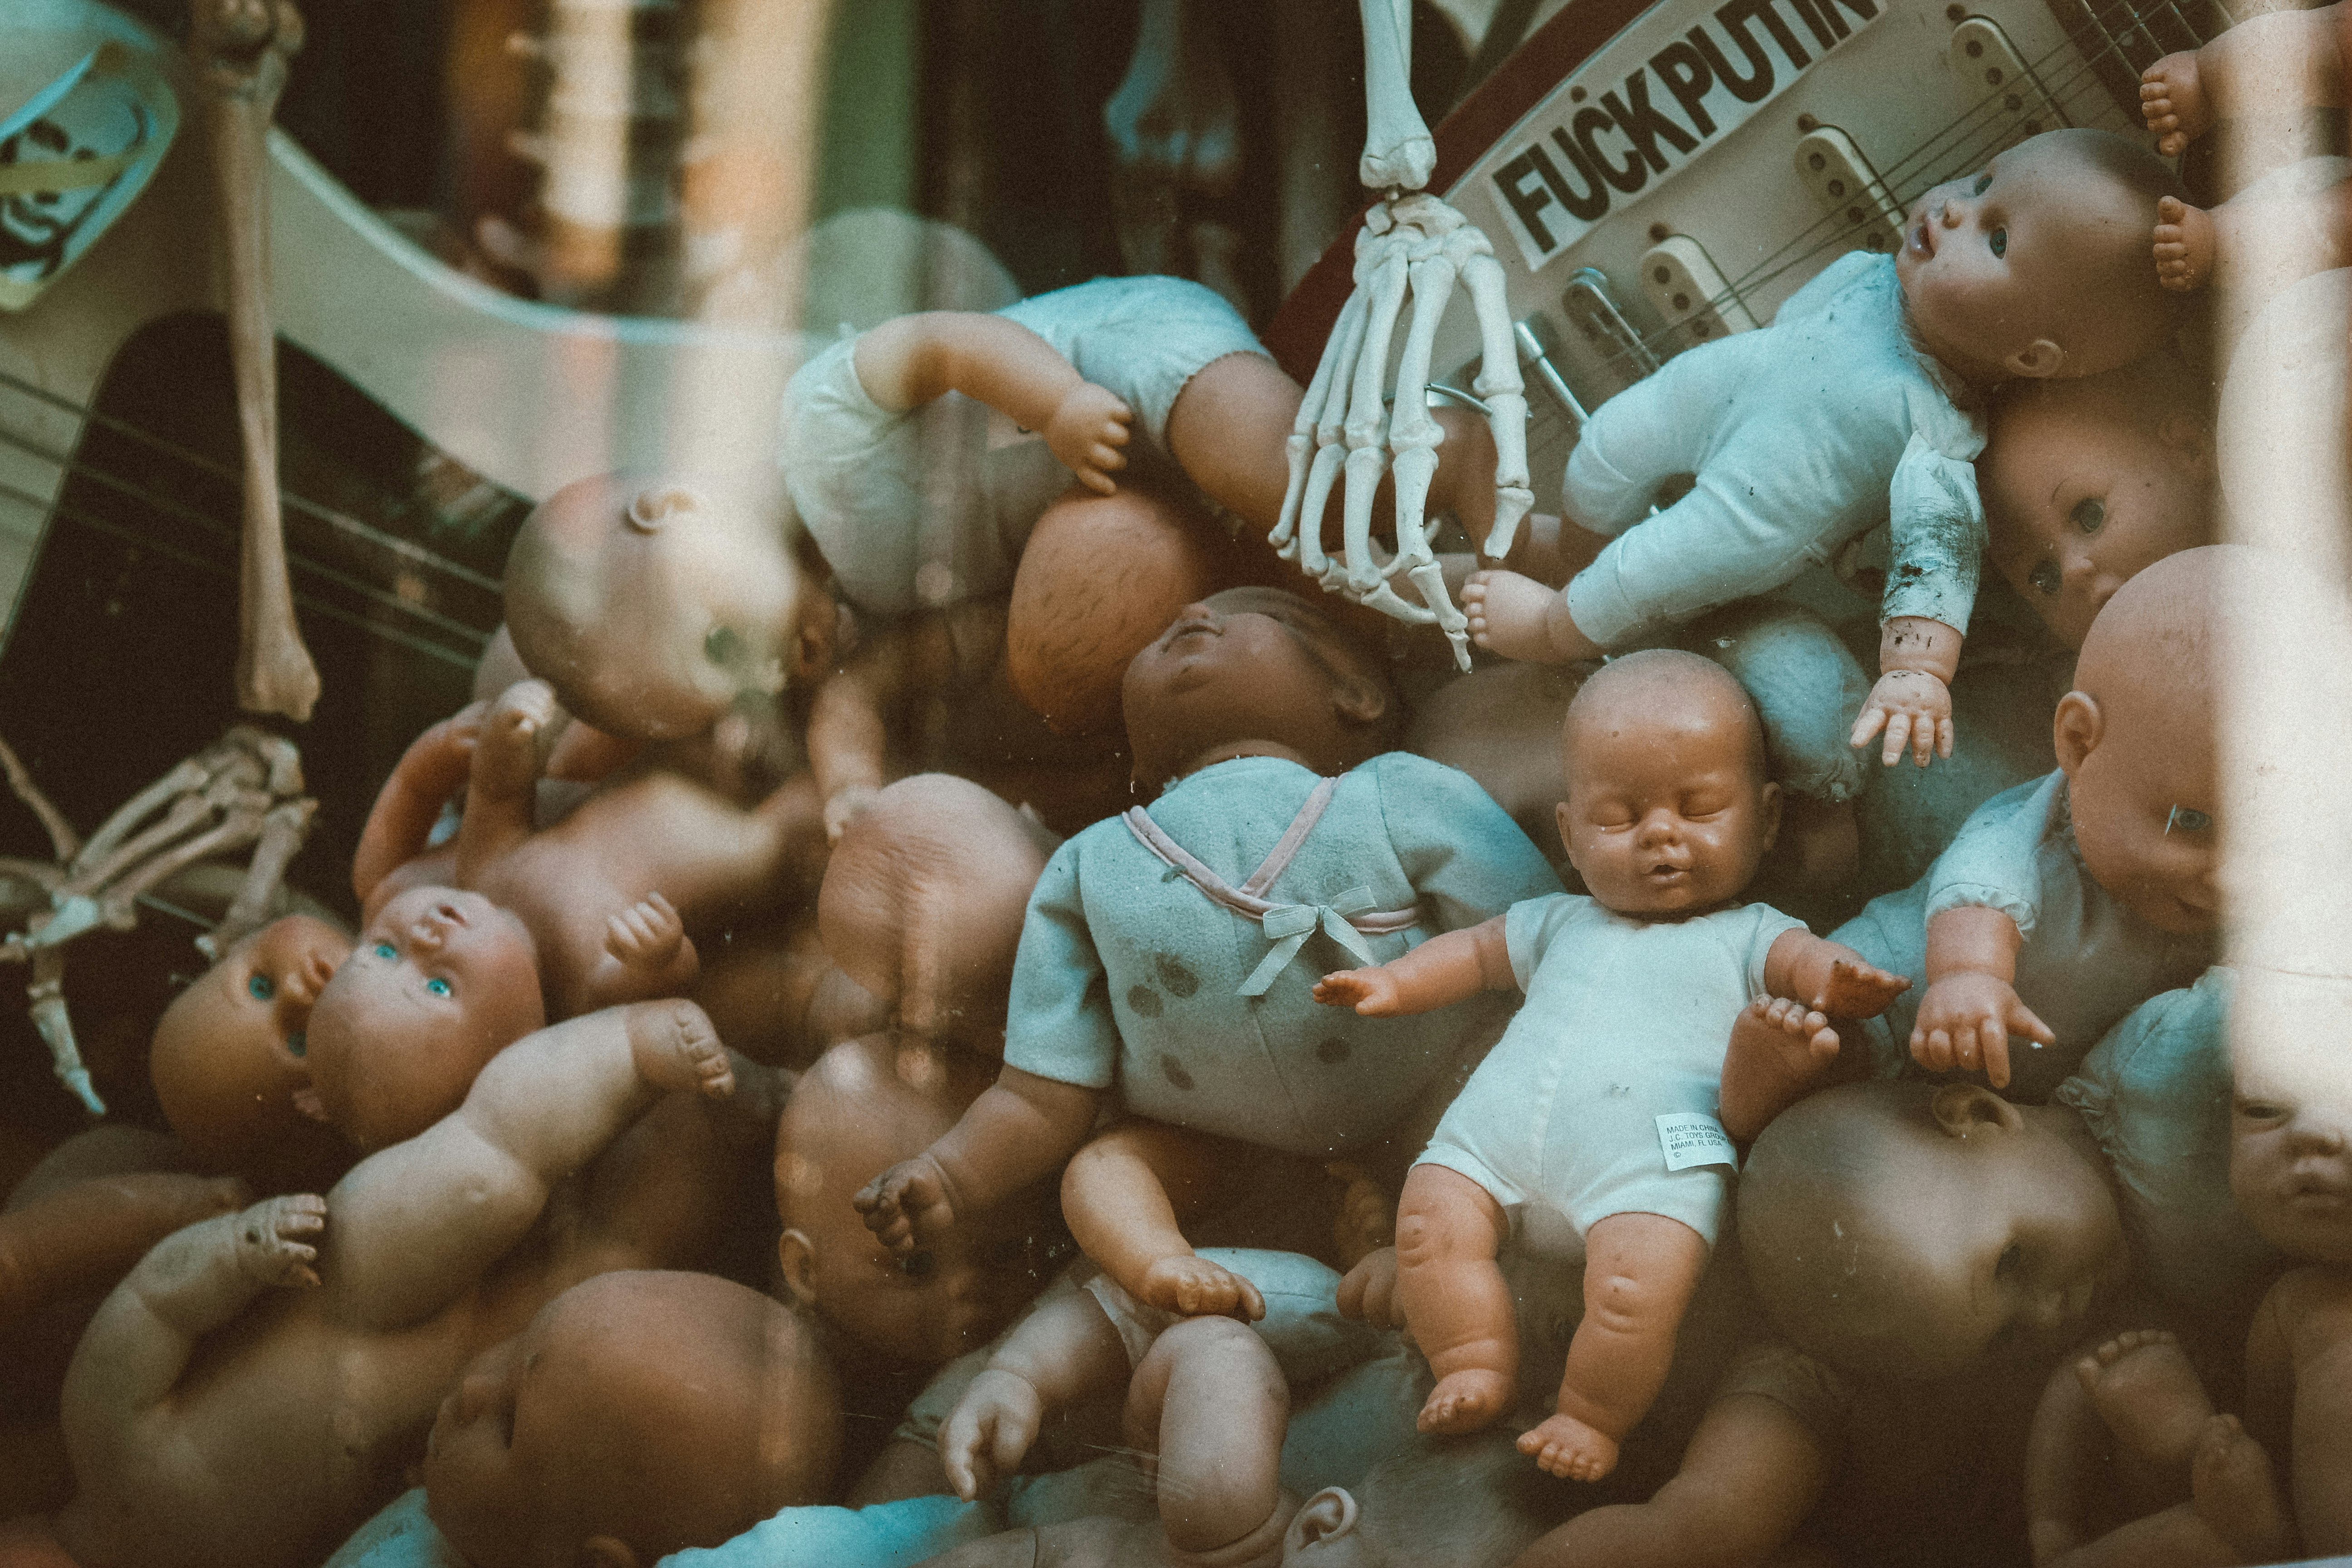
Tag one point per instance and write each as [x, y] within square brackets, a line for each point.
[275, 1240]
[911, 1200]
[989, 1432]
[843, 804]
[1087, 431]
[1369, 1290]
[1370, 991]
[1965, 1021]
[1915, 708]
[1858, 990]
[646, 935]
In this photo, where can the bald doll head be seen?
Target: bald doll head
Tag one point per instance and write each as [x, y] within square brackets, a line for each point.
[923, 901]
[636, 1414]
[1669, 808]
[866, 1105]
[2135, 740]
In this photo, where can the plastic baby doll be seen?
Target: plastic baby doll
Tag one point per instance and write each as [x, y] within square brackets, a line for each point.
[867, 1103]
[2088, 481]
[242, 1349]
[597, 904]
[2284, 61]
[1164, 957]
[637, 1414]
[1669, 811]
[2065, 902]
[2027, 268]
[1208, 1397]
[230, 1064]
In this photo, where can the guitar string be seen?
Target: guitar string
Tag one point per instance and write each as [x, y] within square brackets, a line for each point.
[1828, 229]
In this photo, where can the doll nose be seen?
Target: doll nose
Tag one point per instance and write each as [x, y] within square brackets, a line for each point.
[1656, 829]
[2316, 1135]
[475, 1391]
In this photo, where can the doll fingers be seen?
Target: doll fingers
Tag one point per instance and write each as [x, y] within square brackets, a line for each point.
[1944, 736]
[1867, 723]
[1898, 733]
[1923, 741]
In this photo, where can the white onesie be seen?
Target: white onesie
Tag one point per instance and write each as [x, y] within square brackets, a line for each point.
[1625, 1020]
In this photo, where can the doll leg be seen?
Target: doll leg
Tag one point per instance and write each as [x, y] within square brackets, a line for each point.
[1449, 1230]
[1121, 1194]
[1210, 1399]
[190, 1284]
[2321, 1441]
[2150, 1397]
[1639, 1272]
[89, 1234]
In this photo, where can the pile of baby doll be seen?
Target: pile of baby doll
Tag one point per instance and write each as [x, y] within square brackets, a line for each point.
[1191, 1123]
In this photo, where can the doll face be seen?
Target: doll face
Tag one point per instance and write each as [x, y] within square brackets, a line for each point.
[230, 1053]
[651, 607]
[2020, 251]
[1248, 665]
[441, 980]
[500, 1447]
[2289, 1164]
[2081, 496]
[2144, 808]
[1665, 814]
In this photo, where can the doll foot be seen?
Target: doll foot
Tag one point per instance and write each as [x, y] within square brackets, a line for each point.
[1510, 614]
[1569, 1449]
[2236, 1494]
[2172, 101]
[1196, 1288]
[506, 755]
[1465, 1402]
[675, 1046]
[2184, 244]
[2148, 1395]
[275, 1240]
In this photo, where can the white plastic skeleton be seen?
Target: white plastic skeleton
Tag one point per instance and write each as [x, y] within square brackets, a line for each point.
[1411, 243]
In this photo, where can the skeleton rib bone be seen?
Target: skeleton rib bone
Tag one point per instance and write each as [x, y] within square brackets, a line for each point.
[1412, 247]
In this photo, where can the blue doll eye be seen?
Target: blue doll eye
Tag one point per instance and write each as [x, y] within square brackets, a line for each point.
[2089, 515]
[260, 988]
[296, 1045]
[2044, 578]
[438, 987]
[386, 952]
[2000, 242]
[1984, 181]
[723, 646]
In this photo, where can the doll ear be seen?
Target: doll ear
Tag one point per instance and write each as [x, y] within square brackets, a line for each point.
[1962, 1110]
[1768, 802]
[796, 1255]
[2076, 729]
[603, 1551]
[1327, 1515]
[1357, 700]
[2037, 360]
[652, 508]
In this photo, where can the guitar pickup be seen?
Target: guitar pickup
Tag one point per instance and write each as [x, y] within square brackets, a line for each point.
[1690, 291]
[1981, 55]
[1591, 310]
[1849, 189]
[1539, 346]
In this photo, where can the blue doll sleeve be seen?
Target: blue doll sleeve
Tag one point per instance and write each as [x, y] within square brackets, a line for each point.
[1995, 860]
[1059, 1023]
[1936, 527]
[1465, 857]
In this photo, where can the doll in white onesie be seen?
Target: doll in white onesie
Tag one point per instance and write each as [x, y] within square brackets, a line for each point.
[1862, 400]
[1596, 1115]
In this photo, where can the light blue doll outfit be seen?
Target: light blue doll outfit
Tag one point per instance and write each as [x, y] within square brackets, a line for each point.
[2086, 961]
[1802, 436]
[932, 506]
[1130, 978]
[1625, 1020]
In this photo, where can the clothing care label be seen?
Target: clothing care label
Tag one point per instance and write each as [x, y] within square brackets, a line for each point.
[1692, 1138]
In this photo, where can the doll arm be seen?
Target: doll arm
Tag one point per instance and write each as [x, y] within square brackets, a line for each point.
[1752, 1472]
[1062, 1352]
[503, 787]
[427, 776]
[1211, 1401]
[1912, 699]
[91, 1233]
[909, 361]
[417, 1224]
[1971, 1003]
[190, 1284]
[647, 955]
[1448, 968]
[848, 724]
[1021, 1130]
[1828, 976]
